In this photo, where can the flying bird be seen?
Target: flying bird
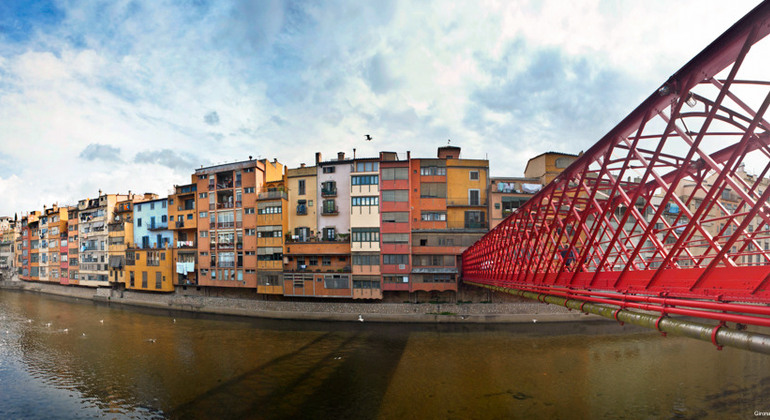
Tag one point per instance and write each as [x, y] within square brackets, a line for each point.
[368, 137]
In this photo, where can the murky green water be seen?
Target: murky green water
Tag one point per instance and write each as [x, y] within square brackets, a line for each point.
[71, 359]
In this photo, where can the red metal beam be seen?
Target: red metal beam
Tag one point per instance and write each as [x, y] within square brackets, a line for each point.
[661, 205]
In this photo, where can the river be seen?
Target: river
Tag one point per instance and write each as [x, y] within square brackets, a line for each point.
[62, 358]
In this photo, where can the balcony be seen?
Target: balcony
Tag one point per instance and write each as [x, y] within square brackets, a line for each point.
[179, 224]
[476, 225]
[330, 211]
[273, 195]
[185, 244]
[225, 205]
[329, 192]
[160, 226]
[229, 225]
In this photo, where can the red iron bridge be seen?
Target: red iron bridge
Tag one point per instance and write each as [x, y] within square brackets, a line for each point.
[665, 221]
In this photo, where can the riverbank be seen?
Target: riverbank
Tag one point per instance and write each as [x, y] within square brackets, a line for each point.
[472, 313]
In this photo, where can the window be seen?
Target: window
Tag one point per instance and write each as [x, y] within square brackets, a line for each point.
[248, 190]
[204, 233]
[390, 174]
[301, 187]
[433, 260]
[395, 238]
[139, 221]
[365, 201]
[203, 195]
[163, 219]
[301, 207]
[474, 220]
[152, 206]
[336, 281]
[249, 210]
[163, 203]
[248, 170]
[395, 195]
[394, 259]
[395, 279]
[328, 169]
[251, 232]
[365, 234]
[269, 231]
[474, 197]
[433, 190]
[474, 175]
[158, 280]
[326, 260]
[138, 207]
[367, 166]
[366, 259]
[395, 217]
[365, 180]
[144, 279]
[432, 168]
[329, 233]
[329, 207]
[131, 278]
[312, 260]
[433, 216]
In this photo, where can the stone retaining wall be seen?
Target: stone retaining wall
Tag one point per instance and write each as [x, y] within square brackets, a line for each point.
[513, 312]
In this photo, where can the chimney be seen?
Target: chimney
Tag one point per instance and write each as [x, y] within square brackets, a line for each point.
[354, 153]
[301, 165]
[100, 192]
[340, 155]
[408, 155]
[275, 160]
[317, 158]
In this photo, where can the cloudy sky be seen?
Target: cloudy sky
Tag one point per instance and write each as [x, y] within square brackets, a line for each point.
[134, 95]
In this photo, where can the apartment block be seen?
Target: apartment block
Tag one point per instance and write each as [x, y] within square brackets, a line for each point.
[225, 230]
[395, 211]
[183, 222]
[149, 258]
[508, 194]
[365, 228]
[272, 228]
[93, 257]
[73, 247]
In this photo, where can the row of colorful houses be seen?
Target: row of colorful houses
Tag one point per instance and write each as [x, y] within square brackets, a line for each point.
[349, 227]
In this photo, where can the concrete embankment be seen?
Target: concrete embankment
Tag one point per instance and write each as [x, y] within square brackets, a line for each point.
[510, 312]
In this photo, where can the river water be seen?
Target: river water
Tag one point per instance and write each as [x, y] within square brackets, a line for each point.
[72, 359]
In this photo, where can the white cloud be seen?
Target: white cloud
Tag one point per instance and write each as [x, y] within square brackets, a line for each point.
[504, 79]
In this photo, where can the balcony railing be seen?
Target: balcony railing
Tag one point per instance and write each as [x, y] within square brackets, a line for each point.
[157, 226]
[229, 225]
[329, 211]
[328, 192]
[185, 244]
[476, 225]
[273, 194]
[226, 205]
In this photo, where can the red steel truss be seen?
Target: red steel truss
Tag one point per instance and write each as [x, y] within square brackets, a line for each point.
[669, 209]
